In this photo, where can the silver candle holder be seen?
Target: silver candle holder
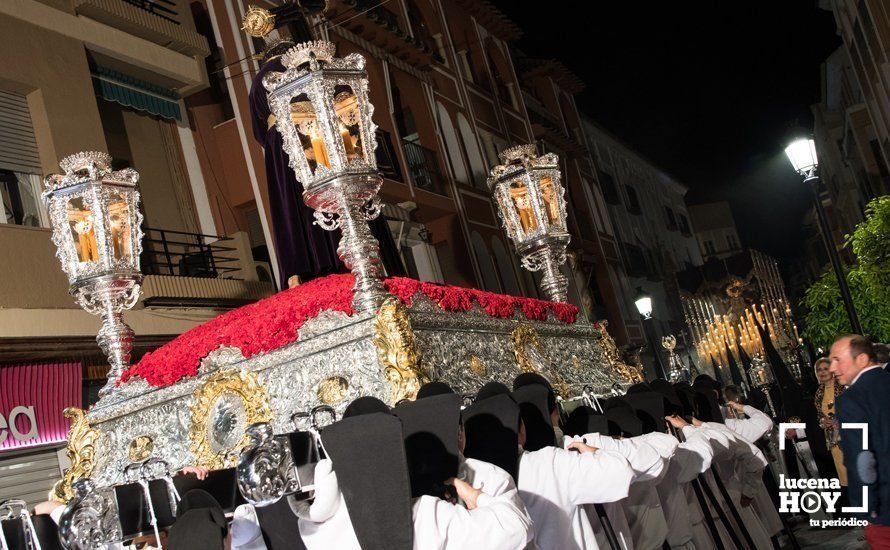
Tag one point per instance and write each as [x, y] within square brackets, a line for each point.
[532, 209]
[321, 108]
[96, 223]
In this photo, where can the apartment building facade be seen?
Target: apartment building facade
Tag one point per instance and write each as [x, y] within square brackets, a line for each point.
[103, 75]
[650, 225]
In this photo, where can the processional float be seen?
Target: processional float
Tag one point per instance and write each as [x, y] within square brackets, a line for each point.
[251, 378]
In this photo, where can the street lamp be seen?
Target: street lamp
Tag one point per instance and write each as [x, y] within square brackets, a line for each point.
[802, 154]
[532, 208]
[643, 302]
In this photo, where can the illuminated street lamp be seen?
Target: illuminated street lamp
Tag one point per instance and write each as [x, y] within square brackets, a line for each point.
[644, 304]
[532, 208]
[643, 301]
[322, 111]
[802, 154]
[97, 232]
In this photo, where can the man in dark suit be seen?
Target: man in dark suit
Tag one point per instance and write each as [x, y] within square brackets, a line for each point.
[867, 401]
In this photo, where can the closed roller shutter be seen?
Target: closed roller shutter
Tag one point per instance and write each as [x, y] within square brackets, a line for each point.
[29, 476]
[18, 148]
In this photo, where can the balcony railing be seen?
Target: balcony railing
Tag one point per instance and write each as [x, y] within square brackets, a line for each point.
[161, 8]
[188, 255]
[424, 167]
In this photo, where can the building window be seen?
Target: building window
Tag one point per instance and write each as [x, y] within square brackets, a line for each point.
[732, 242]
[671, 218]
[684, 225]
[607, 186]
[633, 201]
[20, 194]
[709, 247]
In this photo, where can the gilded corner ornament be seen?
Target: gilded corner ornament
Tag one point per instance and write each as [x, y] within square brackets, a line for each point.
[397, 351]
[225, 405]
[82, 440]
[527, 345]
[630, 373]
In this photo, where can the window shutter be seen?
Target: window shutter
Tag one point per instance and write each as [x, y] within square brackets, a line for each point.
[18, 148]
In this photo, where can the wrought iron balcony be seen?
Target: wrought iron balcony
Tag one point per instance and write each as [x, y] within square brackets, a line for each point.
[423, 164]
[154, 20]
[188, 255]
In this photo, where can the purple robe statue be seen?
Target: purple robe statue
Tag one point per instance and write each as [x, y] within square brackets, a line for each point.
[302, 248]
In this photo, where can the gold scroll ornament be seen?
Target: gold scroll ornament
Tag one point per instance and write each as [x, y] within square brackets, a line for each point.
[397, 351]
[238, 386]
[81, 452]
[630, 373]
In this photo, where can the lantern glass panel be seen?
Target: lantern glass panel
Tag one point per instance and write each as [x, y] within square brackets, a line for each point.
[83, 231]
[551, 202]
[119, 224]
[305, 119]
[523, 204]
[346, 106]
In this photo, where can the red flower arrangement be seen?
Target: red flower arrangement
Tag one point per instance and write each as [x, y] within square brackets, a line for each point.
[274, 322]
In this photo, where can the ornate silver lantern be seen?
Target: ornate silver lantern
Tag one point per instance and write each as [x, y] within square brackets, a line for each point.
[97, 232]
[321, 108]
[677, 372]
[761, 375]
[532, 208]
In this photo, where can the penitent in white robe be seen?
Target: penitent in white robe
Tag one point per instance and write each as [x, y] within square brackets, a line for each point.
[752, 429]
[643, 506]
[499, 522]
[325, 522]
[647, 465]
[740, 466]
[685, 517]
[554, 484]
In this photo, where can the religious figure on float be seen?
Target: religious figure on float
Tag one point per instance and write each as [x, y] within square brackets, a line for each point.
[303, 248]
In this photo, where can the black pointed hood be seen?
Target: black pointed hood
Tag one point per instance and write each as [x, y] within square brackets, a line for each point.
[535, 411]
[430, 427]
[491, 427]
[586, 420]
[622, 418]
[368, 455]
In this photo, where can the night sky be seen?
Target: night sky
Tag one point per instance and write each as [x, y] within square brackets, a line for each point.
[711, 92]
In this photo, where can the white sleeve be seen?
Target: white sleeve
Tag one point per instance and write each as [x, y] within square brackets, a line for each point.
[588, 478]
[752, 428]
[327, 495]
[495, 524]
[752, 463]
[749, 460]
[718, 439]
[692, 456]
[643, 458]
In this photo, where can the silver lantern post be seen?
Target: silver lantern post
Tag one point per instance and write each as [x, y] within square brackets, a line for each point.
[761, 375]
[97, 231]
[677, 372]
[321, 108]
[532, 208]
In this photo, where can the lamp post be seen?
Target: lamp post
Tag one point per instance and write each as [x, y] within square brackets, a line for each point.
[802, 154]
[643, 302]
[532, 208]
[321, 108]
[96, 229]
